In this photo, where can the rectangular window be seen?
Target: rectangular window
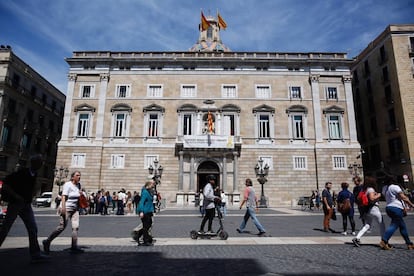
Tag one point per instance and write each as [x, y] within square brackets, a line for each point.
[83, 125]
[117, 161]
[263, 91]
[26, 141]
[297, 127]
[334, 126]
[295, 92]
[5, 136]
[155, 91]
[120, 125]
[153, 125]
[123, 91]
[264, 126]
[87, 91]
[188, 91]
[149, 160]
[300, 163]
[339, 162]
[267, 160]
[331, 93]
[187, 124]
[229, 128]
[229, 91]
[78, 160]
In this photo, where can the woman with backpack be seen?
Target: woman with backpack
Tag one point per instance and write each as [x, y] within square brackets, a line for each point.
[367, 201]
[346, 207]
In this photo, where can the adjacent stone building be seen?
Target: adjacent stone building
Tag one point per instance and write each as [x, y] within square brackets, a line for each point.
[383, 87]
[209, 110]
[31, 113]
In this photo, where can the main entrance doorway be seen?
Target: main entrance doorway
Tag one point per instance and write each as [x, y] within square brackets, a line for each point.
[204, 169]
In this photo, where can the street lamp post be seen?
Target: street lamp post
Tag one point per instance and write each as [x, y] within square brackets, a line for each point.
[261, 175]
[61, 173]
[156, 171]
[355, 169]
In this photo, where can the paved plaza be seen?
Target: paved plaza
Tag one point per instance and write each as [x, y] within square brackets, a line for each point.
[293, 245]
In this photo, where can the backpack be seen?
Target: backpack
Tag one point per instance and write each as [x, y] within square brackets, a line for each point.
[362, 198]
[344, 206]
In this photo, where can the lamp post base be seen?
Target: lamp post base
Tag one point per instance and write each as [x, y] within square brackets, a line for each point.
[262, 202]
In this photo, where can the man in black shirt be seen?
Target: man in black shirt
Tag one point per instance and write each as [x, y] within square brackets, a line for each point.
[18, 190]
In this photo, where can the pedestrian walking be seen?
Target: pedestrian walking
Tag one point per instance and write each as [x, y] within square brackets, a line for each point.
[69, 211]
[223, 203]
[18, 190]
[357, 188]
[397, 205]
[146, 211]
[136, 200]
[251, 208]
[327, 206]
[201, 204]
[370, 213]
[345, 201]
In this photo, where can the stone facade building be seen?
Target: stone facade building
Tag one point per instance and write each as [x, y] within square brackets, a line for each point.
[209, 110]
[31, 113]
[383, 86]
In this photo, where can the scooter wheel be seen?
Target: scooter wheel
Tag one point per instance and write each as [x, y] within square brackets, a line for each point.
[193, 234]
[223, 235]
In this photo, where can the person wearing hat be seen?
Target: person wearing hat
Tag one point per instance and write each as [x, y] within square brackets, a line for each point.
[208, 204]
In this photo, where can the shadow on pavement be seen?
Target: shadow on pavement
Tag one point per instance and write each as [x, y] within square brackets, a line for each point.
[17, 262]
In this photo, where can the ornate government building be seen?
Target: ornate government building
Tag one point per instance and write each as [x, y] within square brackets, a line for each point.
[209, 110]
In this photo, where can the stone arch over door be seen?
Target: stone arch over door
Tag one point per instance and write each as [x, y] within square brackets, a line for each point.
[206, 168]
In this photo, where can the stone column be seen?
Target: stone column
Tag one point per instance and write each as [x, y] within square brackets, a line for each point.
[101, 106]
[192, 184]
[314, 79]
[224, 180]
[181, 171]
[350, 107]
[235, 170]
[68, 107]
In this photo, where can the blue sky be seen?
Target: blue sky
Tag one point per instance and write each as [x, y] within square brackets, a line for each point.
[45, 32]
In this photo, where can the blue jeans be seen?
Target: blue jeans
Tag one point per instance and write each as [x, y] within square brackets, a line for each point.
[25, 211]
[397, 221]
[250, 212]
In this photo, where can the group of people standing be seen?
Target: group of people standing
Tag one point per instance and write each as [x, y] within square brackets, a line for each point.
[397, 204]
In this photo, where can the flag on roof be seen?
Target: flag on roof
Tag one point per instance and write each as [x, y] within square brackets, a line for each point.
[221, 23]
[204, 22]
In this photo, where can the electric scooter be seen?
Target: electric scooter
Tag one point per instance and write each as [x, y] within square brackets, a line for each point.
[223, 235]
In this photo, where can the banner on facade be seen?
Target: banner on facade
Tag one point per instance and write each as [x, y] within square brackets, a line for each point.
[208, 141]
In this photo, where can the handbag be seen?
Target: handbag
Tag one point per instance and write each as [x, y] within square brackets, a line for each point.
[83, 202]
[333, 214]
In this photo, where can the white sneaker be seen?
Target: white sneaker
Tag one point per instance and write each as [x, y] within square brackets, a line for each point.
[353, 233]
[344, 233]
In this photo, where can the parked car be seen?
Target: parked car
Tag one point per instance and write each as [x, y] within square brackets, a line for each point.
[44, 200]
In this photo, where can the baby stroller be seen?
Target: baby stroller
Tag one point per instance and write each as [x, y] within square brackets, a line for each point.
[223, 235]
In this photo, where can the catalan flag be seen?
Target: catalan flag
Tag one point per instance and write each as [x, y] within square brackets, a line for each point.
[222, 24]
[204, 23]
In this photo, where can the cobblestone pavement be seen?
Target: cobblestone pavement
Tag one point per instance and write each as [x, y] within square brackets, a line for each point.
[293, 246]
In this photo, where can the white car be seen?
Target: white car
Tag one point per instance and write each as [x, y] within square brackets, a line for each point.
[44, 200]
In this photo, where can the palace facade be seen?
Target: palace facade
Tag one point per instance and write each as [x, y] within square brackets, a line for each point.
[209, 110]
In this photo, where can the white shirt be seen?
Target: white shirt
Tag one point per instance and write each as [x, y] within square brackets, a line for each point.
[392, 196]
[71, 191]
